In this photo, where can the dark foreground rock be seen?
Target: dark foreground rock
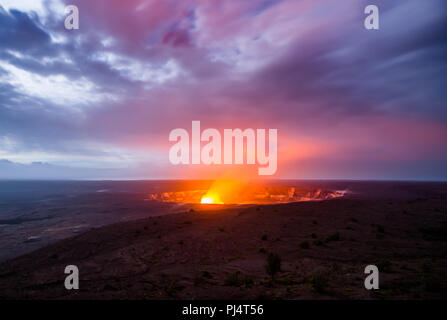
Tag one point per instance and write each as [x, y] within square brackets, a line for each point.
[323, 247]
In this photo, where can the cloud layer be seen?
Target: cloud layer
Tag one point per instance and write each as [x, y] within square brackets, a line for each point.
[348, 102]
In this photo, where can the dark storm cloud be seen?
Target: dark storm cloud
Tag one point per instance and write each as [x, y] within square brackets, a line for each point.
[19, 32]
[354, 71]
[37, 123]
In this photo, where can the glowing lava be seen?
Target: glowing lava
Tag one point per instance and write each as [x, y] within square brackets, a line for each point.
[230, 192]
[209, 199]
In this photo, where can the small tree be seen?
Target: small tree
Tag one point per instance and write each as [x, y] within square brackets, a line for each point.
[273, 265]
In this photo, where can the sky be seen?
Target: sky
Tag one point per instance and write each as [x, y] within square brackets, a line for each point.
[99, 102]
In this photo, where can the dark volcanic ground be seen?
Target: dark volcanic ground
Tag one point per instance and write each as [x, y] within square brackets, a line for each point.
[324, 247]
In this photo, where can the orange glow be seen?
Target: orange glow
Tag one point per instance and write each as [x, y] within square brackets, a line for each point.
[207, 199]
[231, 191]
[223, 191]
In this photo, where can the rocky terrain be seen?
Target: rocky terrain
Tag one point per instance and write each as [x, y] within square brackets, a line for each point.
[323, 248]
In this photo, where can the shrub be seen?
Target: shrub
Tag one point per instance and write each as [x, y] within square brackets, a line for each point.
[304, 245]
[384, 265]
[199, 281]
[333, 237]
[273, 265]
[205, 274]
[319, 282]
[233, 279]
[236, 279]
[201, 278]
